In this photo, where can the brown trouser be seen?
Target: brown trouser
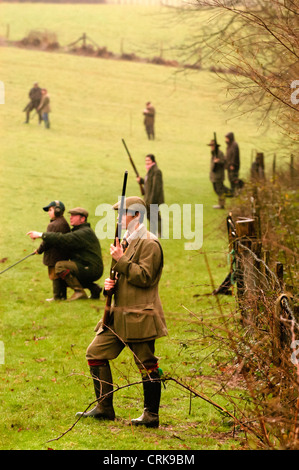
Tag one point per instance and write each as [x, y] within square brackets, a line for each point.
[52, 274]
[62, 266]
[107, 346]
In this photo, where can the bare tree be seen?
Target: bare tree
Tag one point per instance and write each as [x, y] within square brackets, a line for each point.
[256, 44]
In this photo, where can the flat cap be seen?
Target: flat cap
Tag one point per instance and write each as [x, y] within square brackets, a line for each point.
[79, 211]
[54, 204]
[135, 201]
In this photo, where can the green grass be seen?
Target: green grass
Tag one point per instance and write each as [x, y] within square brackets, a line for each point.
[81, 161]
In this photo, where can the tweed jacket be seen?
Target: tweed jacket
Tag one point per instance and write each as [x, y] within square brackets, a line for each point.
[137, 311]
[44, 105]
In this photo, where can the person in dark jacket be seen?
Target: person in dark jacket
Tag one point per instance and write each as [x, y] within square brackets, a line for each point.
[149, 114]
[153, 193]
[52, 254]
[85, 264]
[217, 173]
[35, 95]
[232, 160]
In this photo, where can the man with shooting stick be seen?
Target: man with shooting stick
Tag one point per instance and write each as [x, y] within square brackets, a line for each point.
[217, 173]
[136, 318]
[153, 193]
[149, 114]
[35, 95]
[52, 254]
[84, 264]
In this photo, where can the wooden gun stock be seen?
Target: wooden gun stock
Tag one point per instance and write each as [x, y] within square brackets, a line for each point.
[134, 167]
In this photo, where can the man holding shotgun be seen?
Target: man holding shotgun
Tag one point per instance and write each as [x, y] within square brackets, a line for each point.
[153, 193]
[152, 189]
[136, 317]
[217, 166]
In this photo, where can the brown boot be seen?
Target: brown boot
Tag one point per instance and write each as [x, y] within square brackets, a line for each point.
[77, 295]
[73, 282]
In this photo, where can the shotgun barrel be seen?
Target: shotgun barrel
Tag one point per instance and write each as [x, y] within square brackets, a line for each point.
[133, 165]
[117, 235]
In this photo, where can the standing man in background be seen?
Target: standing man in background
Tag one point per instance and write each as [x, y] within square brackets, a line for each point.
[232, 161]
[149, 120]
[154, 193]
[217, 173]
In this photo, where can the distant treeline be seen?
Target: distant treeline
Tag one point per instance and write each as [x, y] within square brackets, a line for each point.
[56, 1]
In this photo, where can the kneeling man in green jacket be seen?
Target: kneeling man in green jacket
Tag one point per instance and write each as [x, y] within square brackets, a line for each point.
[84, 264]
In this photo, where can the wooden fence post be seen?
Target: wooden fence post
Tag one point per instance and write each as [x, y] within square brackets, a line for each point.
[266, 259]
[246, 244]
[279, 273]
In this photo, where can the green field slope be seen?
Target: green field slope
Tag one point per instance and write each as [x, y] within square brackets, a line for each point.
[80, 160]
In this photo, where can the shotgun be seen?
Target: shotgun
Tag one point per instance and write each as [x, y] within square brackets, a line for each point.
[117, 235]
[216, 145]
[134, 167]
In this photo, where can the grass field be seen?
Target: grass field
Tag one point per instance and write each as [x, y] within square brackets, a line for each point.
[81, 160]
[142, 29]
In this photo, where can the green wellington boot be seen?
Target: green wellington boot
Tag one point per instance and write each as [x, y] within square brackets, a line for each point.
[152, 395]
[102, 380]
